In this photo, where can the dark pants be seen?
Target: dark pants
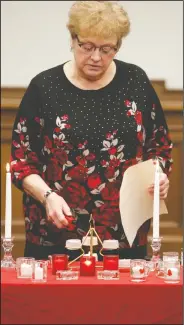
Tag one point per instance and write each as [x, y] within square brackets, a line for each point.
[41, 252]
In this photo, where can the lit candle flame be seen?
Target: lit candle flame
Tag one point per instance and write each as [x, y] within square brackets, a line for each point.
[7, 167]
[87, 263]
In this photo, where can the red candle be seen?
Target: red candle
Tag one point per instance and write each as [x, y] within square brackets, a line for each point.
[87, 265]
[110, 262]
[59, 262]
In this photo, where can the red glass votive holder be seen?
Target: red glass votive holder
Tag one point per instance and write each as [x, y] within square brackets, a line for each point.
[111, 262]
[59, 262]
[87, 265]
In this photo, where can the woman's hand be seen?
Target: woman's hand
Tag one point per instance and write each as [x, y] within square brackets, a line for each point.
[56, 209]
[164, 186]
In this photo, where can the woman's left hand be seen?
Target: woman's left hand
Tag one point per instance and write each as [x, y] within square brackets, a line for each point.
[164, 186]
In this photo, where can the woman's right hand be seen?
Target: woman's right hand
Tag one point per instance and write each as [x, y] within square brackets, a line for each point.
[56, 209]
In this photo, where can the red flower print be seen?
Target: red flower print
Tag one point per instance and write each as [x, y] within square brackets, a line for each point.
[67, 126]
[141, 271]
[103, 162]
[111, 191]
[75, 194]
[57, 130]
[127, 103]
[54, 171]
[20, 153]
[64, 117]
[114, 162]
[78, 173]
[138, 117]
[58, 142]
[169, 272]
[60, 155]
[115, 132]
[109, 172]
[81, 160]
[112, 151]
[91, 156]
[94, 181]
[109, 136]
[128, 113]
[140, 136]
[48, 142]
[34, 213]
[80, 146]
[32, 156]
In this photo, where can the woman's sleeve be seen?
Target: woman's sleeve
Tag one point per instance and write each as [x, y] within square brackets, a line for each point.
[26, 137]
[158, 142]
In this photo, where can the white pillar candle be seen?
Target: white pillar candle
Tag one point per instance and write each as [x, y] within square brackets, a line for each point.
[38, 273]
[156, 202]
[26, 270]
[8, 203]
[137, 271]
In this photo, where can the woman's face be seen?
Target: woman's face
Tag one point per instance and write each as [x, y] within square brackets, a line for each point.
[93, 55]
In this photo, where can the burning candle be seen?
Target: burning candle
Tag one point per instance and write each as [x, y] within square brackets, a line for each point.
[8, 203]
[87, 265]
[156, 202]
[59, 262]
[110, 262]
[26, 270]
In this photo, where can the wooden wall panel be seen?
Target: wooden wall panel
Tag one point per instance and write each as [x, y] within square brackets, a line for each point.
[170, 224]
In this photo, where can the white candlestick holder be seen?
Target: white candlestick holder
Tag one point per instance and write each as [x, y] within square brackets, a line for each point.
[8, 261]
[156, 245]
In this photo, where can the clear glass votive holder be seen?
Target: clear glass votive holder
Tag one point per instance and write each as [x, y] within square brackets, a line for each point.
[170, 256]
[67, 275]
[24, 267]
[39, 271]
[59, 262]
[108, 275]
[138, 270]
[172, 271]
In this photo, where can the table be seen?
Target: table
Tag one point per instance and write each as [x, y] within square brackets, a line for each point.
[89, 301]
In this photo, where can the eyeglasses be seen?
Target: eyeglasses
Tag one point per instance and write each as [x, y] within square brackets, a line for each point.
[89, 48]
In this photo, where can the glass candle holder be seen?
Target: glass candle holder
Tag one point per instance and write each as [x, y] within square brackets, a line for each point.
[67, 275]
[87, 265]
[24, 267]
[170, 256]
[171, 271]
[59, 262]
[39, 271]
[138, 270]
[111, 262]
[160, 269]
[108, 275]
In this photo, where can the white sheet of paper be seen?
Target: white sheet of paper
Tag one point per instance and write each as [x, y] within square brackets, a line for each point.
[136, 204]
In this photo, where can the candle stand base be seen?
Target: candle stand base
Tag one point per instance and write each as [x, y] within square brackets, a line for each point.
[156, 245]
[8, 262]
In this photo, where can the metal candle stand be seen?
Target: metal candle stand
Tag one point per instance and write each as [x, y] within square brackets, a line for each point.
[90, 232]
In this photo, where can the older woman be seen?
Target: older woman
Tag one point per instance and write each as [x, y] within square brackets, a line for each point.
[79, 127]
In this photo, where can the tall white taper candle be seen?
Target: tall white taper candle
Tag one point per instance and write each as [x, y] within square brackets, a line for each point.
[8, 203]
[156, 202]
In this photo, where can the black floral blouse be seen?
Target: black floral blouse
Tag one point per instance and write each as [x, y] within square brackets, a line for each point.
[81, 142]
